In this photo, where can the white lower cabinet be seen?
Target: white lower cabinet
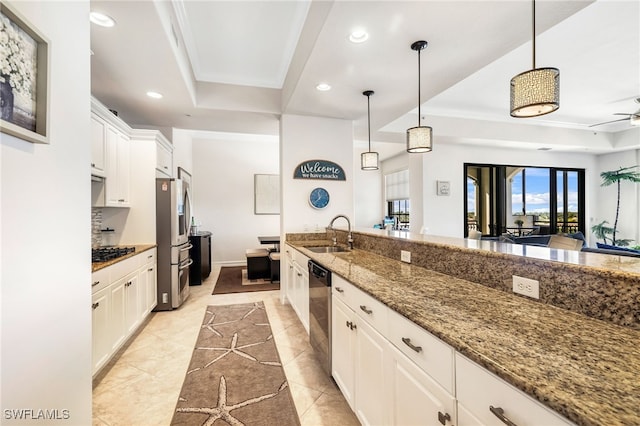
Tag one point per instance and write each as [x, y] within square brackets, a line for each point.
[101, 342]
[122, 296]
[484, 398]
[358, 365]
[297, 284]
[416, 398]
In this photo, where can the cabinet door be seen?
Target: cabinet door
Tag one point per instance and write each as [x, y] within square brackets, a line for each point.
[370, 365]
[151, 288]
[100, 330]
[117, 322]
[416, 398]
[132, 316]
[163, 160]
[342, 349]
[111, 185]
[124, 171]
[98, 147]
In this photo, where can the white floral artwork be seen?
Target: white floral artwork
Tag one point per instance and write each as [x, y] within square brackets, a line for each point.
[18, 68]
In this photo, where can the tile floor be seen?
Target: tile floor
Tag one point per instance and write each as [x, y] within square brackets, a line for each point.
[141, 385]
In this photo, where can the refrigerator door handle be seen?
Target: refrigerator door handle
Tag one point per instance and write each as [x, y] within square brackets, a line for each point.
[186, 265]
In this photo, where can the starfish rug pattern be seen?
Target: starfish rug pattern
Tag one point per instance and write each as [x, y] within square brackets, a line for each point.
[235, 376]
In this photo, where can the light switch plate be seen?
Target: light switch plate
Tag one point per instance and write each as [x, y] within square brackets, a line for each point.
[405, 256]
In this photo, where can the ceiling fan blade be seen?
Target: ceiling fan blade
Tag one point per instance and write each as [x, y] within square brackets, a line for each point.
[622, 113]
[607, 122]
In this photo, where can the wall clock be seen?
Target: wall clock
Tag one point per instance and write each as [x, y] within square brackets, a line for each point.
[319, 198]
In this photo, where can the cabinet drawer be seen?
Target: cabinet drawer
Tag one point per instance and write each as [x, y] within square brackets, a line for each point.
[99, 280]
[148, 256]
[300, 259]
[343, 290]
[430, 353]
[478, 390]
[369, 309]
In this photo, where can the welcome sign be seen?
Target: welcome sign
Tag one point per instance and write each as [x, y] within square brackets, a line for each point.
[319, 169]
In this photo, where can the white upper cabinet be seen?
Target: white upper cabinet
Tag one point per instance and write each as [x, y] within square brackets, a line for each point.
[98, 146]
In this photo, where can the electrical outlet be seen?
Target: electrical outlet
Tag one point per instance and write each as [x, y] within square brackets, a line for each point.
[405, 256]
[526, 287]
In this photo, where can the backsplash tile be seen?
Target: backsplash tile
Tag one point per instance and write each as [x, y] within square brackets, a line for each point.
[96, 225]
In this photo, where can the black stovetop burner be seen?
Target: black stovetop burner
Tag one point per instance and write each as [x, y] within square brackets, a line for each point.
[104, 254]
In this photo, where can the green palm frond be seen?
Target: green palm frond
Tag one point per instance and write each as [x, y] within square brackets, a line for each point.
[622, 174]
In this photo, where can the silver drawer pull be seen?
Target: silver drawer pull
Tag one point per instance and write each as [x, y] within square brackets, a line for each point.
[365, 310]
[299, 274]
[443, 417]
[95, 283]
[339, 290]
[499, 413]
[95, 305]
[150, 269]
[407, 342]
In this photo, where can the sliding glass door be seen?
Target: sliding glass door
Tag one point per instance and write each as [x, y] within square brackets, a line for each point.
[520, 200]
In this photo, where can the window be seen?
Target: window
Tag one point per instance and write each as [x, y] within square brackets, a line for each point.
[530, 191]
[399, 211]
[397, 196]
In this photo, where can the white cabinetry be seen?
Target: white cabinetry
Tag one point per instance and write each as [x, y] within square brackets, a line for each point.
[164, 158]
[122, 296]
[98, 146]
[359, 352]
[484, 398]
[118, 169]
[297, 284]
[110, 157]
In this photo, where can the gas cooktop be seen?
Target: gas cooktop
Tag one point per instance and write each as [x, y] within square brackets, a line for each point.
[104, 254]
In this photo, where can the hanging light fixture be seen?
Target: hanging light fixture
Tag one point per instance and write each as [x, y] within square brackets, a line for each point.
[537, 91]
[369, 160]
[419, 139]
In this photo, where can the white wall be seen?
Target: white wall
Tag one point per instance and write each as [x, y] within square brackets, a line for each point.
[367, 193]
[223, 186]
[307, 138]
[443, 215]
[629, 219]
[46, 235]
[182, 151]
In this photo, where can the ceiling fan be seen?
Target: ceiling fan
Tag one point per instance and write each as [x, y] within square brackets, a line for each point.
[633, 117]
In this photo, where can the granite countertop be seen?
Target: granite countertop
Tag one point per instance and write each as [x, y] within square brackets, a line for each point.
[585, 369]
[96, 266]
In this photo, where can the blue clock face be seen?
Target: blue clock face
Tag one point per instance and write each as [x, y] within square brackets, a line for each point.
[319, 198]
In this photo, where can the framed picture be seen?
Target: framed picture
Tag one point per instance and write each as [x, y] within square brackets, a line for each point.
[443, 187]
[266, 194]
[24, 78]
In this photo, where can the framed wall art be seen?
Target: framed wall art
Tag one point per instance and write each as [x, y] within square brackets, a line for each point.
[266, 194]
[24, 78]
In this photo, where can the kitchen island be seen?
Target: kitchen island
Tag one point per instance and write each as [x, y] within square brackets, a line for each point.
[586, 369]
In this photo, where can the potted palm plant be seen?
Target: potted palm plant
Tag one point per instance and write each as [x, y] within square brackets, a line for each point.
[602, 230]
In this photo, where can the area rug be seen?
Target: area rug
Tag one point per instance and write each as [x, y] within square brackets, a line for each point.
[235, 376]
[230, 281]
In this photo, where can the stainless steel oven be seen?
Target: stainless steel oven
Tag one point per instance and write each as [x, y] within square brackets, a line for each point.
[180, 274]
[320, 313]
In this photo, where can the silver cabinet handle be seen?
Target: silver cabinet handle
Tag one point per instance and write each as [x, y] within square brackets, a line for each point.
[95, 305]
[95, 283]
[407, 342]
[499, 413]
[121, 200]
[339, 290]
[351, 325]
[365, 310]
[150, 269]
[443, 417]
[299, 274]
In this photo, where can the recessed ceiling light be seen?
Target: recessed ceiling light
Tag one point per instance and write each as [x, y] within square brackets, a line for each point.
[358, 36]
[323, 87]
[154, 95]
[101, 19]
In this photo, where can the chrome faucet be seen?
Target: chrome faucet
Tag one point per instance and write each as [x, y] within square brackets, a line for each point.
[335, 238]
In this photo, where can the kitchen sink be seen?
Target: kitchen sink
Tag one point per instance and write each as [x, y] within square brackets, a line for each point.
[326, 249]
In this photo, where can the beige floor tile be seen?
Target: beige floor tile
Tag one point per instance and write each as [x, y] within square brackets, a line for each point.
[329, 410]
[142, 386]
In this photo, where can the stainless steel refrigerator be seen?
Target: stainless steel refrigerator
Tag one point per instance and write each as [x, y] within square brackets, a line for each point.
[173, 212]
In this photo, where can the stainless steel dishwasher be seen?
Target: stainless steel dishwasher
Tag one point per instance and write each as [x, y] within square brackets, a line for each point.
[320, 313]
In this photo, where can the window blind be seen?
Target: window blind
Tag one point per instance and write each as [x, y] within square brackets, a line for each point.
[397, 185]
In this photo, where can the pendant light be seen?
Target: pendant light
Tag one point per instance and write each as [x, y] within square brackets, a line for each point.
[419, 139]
[369, 160]
[537, 91]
